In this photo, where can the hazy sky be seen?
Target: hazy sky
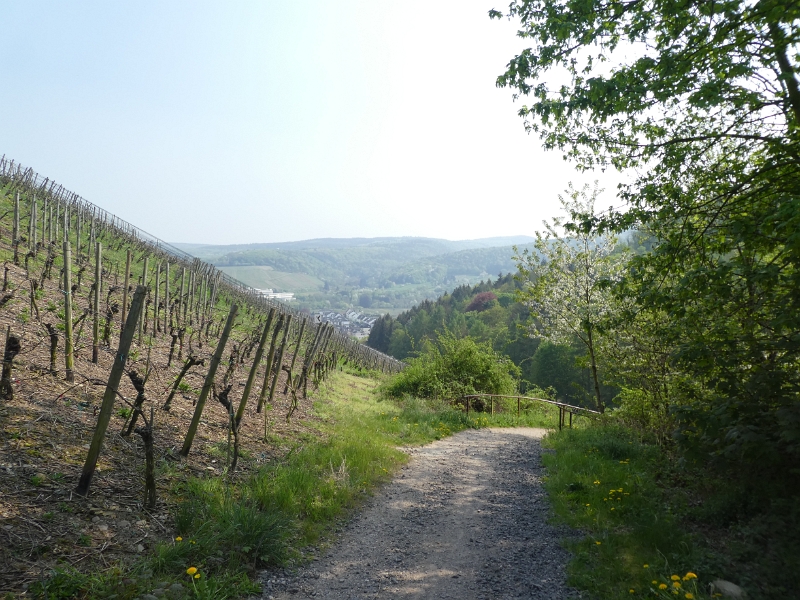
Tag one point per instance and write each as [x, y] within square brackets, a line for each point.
[233, 122]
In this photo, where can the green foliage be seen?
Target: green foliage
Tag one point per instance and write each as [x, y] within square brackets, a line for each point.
[707, 110]
[454, 367]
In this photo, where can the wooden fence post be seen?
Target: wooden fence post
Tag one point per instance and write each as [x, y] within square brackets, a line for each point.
[212, 370]
[111, 392]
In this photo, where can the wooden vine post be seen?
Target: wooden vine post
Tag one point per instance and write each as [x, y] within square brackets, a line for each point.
[69, 358]
[156, 310]
[15, 233]
[166, 297]
[111, 391]
[279, 360]
[127, 284]
[252, 376]
[270, 360]
[144, 284]
[290, 378]
[212, 371]
[98, 273]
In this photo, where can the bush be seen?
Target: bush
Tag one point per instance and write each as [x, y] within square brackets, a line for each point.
[452, 368]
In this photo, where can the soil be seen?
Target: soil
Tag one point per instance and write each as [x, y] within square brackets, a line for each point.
[46, 428]
[467, 518]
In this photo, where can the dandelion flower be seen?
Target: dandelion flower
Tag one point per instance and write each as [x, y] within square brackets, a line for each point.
[631, 591]
[598, 543]
[654, 582]
[612, 508]
[675, 578]
[689, 596]
[646, 566]
[197, 576]
[588, 505]
[662, 586]
[179, 539]
[676, 584]
[191, 570]
[597, 482]
[689, 576]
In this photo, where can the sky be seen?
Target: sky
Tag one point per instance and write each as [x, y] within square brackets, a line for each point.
[247, 122]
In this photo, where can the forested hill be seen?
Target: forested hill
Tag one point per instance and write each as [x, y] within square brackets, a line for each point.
[376, 273]
[487, 312]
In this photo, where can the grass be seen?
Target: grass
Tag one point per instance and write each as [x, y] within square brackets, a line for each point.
[647, 519]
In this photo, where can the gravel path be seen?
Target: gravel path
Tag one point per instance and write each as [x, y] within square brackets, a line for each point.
[465, 519]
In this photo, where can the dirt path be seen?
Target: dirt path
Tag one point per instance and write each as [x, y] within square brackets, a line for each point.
[465, 519]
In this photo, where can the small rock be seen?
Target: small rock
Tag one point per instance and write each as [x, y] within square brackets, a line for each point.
[149, 597]
[176, 587]
[727, 589]
[95, 519]
[141, 523]
[124, 524]
[159, 593]
[102, 527]
[139, 548]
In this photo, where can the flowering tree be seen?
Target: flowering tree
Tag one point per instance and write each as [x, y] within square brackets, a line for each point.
[567, 281]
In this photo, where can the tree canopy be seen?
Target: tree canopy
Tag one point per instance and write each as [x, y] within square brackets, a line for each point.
[700, 101]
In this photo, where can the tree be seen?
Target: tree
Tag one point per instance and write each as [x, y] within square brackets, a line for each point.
[567, 282]
[703, 100]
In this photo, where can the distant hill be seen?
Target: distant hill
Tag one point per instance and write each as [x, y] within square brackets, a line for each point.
[373, 273]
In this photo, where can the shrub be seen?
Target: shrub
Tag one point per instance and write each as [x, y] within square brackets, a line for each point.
[454, 367]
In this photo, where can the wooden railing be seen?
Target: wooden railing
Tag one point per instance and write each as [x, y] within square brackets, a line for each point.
[563, 409]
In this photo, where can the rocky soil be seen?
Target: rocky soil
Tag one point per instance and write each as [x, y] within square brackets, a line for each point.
[467, 518]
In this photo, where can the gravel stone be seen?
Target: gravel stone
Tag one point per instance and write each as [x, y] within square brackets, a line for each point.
[466, 519]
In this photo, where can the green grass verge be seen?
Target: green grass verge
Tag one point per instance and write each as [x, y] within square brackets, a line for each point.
[649, 519]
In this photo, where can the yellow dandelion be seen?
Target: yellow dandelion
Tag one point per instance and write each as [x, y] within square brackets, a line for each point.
[646, 566]
[662, 586]
[631, 591]
[689, 576]
[588, 505]
[612, 508]
[598, 543]
[597, 482]
[179, 539]
[619, 490]
[654, 582]
[676, 584]
[689, 596]
[675, 578]
[191, 570]
[197, 576]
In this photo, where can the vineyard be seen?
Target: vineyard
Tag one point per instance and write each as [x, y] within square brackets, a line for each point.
[122, 351]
